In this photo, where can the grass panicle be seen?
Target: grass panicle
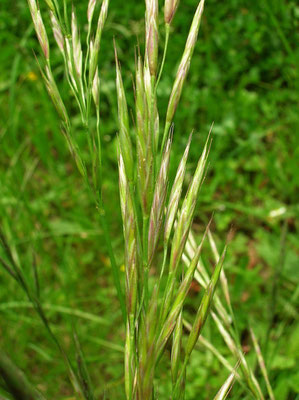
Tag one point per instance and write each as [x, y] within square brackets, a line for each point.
[162, 256]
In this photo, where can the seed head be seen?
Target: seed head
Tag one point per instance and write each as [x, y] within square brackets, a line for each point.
[175, 194]
[151, 39]
[94, 53]
[184, 64]
[187, 212]
[90, 9]
[158, 205]
[143, 142]
[170, 8]
[39, 28]
[123, 120]
[96, 89]
[129, 227]
[77, 52]
[71, 70]
[57, 32]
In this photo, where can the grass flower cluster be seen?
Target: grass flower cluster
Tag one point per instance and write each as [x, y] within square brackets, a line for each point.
[162, 257]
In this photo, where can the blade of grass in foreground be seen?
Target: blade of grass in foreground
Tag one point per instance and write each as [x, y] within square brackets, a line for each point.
[83, 373]
[22, 280]
[16, 381]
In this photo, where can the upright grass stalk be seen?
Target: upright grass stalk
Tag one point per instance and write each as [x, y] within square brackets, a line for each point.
[159, 216]
[159, 306]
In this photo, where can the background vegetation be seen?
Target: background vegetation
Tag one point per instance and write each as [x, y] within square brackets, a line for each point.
[244, 77]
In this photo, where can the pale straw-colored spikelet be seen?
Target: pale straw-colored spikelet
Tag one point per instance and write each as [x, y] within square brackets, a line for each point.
[182, 229]
[187, 212]
[90, 9]
[147, 84]
[76, 43]
[157, 210]
[94, 53]
[70, 64]
[39, 28]
[129, 228]
[175, 194]
[57, 32]
[151, 38]
[123, 120]
[184, 65]
[143, 142]
[96, 89]
[170, 8]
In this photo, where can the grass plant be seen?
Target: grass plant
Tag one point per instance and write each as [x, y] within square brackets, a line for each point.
[162, 257]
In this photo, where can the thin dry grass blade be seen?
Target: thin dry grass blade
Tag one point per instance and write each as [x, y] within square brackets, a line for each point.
[262, 364]
[223, 279]
[204, 306]
[226, 387]
[248, 374]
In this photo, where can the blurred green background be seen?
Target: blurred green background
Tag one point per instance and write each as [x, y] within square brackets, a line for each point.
[244, 77]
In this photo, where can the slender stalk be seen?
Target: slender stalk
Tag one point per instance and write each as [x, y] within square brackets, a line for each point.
[167, 34]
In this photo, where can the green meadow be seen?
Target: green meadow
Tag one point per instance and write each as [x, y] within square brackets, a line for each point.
[243, 80]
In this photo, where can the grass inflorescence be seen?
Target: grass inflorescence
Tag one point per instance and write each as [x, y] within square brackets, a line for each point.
[162, 258]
